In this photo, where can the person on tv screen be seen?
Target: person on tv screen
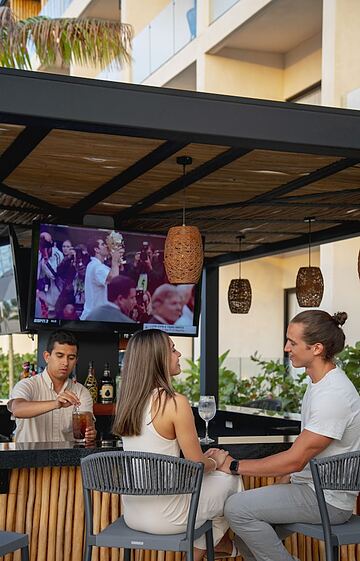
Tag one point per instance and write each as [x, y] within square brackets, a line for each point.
[166, 305]
[187, 293]
[122, 300]
[42, 405]
[48, 282]
[98, 275]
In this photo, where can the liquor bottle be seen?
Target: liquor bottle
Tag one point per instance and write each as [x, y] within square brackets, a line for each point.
[107, 386]
[25, 371]
[91, 382]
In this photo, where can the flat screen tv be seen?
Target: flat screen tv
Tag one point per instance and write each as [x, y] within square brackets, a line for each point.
[12, 304]
[88, 279]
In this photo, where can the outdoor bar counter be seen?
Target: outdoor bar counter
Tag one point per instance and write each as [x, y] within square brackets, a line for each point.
[41, 494]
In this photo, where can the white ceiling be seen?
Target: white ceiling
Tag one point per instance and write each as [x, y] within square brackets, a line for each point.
[277, 28]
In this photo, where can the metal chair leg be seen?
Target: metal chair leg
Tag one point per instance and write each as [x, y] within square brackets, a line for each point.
[210, 545]
[87, 552]
[25, 553]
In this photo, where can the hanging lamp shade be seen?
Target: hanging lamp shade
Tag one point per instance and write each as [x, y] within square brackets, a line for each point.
[309, 287]
[183, 252]
[183, 255]
[239, 296]
[239, 291]
[309, 281]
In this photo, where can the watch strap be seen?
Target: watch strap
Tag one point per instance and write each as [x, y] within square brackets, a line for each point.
[234, 466]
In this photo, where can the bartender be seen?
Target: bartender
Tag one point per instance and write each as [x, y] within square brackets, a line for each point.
[42, 405]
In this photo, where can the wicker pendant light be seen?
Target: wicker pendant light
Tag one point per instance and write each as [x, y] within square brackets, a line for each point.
[239, 292]
[309, 281]
[183, 254]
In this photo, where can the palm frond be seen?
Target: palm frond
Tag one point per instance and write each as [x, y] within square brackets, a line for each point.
[84, 41]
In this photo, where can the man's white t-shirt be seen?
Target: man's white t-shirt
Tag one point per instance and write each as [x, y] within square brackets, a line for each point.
[95, 286]
[56, 425]
[331, 407]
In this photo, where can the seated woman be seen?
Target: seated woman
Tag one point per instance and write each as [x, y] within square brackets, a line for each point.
[152, 417]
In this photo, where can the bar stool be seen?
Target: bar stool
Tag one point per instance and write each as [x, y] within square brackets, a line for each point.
[11, 541]
[340, 472]
[146, 474]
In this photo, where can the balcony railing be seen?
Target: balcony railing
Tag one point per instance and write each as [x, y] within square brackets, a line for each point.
[55, 8]
[219, 7]
[170, 31]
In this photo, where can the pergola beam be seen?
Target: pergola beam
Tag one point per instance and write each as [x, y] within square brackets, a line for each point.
[182, 182]
[140, 167]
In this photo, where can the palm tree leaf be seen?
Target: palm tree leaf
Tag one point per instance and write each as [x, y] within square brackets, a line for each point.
[85, 41]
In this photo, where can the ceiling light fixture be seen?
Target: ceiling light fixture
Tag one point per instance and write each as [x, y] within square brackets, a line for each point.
[309, 280]
[183, 253]
[239, 292]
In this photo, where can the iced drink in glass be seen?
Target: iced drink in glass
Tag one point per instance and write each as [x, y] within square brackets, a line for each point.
[81, 420]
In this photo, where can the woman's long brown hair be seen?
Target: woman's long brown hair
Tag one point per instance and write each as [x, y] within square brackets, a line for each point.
[146, 368]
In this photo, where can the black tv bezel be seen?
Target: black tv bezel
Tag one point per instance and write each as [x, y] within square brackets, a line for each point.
[86, 326]
[15, 256]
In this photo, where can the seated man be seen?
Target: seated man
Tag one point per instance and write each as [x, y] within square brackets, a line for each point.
[121, 294]
[330, 423]
[42, 405]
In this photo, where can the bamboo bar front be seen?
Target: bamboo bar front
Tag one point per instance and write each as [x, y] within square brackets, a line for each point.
[47, 503]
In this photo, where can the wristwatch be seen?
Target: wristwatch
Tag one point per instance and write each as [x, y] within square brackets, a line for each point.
[234, 466]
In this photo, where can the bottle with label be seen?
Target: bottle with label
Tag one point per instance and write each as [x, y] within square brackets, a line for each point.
[107, 386]
[91, 382]
[25, 371]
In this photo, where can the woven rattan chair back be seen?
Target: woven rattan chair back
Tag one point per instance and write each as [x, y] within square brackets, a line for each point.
[140, 473]
[341, 472]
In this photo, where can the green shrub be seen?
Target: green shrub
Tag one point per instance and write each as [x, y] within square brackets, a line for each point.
[273, 382]
[349, 361]
[4, 370]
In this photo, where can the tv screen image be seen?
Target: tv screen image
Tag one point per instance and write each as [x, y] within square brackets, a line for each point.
[84, 277]
[9, 310]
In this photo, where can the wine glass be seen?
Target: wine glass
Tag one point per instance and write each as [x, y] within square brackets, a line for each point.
[207, 410]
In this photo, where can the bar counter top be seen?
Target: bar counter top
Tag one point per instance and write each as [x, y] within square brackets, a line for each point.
[59, 454]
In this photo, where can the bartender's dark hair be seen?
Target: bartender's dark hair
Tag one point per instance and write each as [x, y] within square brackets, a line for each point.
[321, 327]
[63, 338]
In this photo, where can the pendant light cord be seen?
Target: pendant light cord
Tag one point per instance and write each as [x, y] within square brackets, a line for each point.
[309, 220]
[239, 256]
[184, 196]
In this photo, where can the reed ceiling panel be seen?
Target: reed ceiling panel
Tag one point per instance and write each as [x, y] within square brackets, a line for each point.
[8, 133]
[247, 177]
[346, 179]
[67, 165]
[159, 176]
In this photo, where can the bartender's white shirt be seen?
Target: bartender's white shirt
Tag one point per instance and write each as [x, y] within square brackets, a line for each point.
[54, 426]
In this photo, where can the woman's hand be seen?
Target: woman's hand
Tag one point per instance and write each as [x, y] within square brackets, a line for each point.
[218, 455]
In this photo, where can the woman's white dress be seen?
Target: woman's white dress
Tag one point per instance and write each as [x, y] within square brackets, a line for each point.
[168, 514]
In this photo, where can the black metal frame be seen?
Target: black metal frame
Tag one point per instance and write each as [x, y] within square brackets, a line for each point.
[42, 102]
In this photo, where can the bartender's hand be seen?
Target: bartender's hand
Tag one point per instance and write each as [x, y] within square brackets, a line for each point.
[218, 455]
[66, 399]
[90, 435]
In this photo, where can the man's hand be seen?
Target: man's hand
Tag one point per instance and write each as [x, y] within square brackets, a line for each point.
[283, 479]
[90, 435]
[220, 457]
[66, 399]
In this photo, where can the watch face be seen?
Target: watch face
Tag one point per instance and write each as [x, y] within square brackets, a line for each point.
[234, 466]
